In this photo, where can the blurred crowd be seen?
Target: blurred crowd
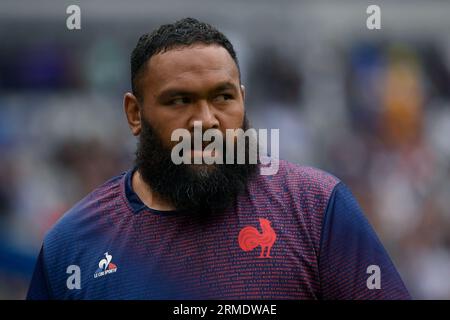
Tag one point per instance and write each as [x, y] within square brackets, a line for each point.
[375, 113]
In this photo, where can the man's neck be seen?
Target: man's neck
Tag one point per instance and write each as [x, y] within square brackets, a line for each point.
[148, 197]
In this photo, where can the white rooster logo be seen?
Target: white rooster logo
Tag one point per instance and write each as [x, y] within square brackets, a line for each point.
[103, 264]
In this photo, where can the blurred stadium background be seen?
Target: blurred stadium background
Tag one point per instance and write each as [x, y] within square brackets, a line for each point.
[371, 107]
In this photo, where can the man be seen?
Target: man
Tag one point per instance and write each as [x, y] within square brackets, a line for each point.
[208, 231]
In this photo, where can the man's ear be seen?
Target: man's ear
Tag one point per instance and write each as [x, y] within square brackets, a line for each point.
[243, 92]
[132, 111]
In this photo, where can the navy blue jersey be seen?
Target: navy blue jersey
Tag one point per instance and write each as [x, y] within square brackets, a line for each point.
[298, 234]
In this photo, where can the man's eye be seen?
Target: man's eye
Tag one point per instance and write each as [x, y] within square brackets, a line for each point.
[223, 97]
[180, 101]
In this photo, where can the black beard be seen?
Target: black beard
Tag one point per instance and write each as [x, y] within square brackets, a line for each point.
[201, 190]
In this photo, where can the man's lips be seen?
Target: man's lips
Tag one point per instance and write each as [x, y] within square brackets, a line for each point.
[200, 153]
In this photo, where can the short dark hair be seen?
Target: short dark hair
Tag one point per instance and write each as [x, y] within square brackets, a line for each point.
[183, 32]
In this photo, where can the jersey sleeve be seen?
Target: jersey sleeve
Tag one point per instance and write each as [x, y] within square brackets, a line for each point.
[39, 288]
[353, 264]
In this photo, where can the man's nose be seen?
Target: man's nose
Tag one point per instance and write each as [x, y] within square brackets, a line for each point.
[204, 112]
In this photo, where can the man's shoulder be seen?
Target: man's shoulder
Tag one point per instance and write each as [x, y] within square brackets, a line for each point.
[301, 178]
[88, 212]
[307, 173]
[296, 193]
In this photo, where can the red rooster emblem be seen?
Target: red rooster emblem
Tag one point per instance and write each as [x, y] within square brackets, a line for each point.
[249, 238]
